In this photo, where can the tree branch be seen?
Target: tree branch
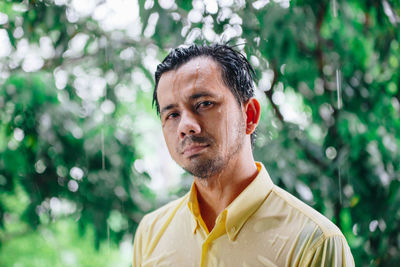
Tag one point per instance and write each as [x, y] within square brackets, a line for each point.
[270, 92]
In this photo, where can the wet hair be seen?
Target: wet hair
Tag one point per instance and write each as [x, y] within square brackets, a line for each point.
[237, 73]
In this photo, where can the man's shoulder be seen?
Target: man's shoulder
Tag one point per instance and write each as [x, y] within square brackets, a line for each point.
[162, 214]
[316, 236]
[303, 211]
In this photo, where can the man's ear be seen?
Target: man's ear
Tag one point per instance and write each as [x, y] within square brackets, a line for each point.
[253, 112]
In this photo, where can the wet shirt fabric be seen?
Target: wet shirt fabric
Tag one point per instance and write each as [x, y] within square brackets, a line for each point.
[263, 226]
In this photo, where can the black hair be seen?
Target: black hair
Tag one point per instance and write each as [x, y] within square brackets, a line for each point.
[236, 71]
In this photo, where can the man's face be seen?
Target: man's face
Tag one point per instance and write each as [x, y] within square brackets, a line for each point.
[202, 122]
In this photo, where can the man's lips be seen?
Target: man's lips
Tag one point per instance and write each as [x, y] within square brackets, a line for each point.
[194, 149]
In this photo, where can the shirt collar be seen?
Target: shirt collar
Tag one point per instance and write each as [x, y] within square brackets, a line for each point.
[193, 206]
[239, 211]
[248, 201]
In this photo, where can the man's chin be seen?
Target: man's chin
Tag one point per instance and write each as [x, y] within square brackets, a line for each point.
[204, 167]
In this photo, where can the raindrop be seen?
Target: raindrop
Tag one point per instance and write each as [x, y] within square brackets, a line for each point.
[108, 238]
[339, 89]
[339, 106]
[334, 8]
[102, 150]
[340, 185]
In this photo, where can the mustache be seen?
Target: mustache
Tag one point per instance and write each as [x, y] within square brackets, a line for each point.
[190, 139]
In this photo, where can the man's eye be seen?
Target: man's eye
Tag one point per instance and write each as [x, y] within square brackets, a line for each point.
[204, 104]
[172, 115]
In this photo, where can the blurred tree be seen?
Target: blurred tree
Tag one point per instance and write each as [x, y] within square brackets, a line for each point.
[328, 72]
[63, 137]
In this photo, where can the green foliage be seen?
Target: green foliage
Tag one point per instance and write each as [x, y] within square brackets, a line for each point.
[61, 145]
[59, 244]
[68, 132]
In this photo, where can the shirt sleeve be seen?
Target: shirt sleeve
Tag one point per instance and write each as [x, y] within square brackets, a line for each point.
[332, 252]
[138, 246]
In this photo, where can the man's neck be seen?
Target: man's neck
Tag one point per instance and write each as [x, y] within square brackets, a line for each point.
[217, 192]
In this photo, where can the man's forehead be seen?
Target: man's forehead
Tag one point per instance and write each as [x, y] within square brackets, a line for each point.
[199, 65]
[198, 73]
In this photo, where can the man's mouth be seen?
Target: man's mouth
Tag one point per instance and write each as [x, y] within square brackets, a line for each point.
[194, 149]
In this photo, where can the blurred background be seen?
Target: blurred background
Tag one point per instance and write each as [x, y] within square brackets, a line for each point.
[82, 157]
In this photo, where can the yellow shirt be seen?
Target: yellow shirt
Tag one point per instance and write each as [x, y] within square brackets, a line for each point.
[263, 226]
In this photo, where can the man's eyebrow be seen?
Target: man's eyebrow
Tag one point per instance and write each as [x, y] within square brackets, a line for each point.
[192, 97]
[201, 94]
[165, 109]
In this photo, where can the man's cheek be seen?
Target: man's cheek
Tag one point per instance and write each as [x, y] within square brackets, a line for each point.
[170, 146]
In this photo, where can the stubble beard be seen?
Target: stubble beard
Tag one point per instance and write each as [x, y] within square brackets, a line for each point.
[206, 167]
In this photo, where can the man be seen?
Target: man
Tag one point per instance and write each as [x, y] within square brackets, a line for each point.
[233, 215]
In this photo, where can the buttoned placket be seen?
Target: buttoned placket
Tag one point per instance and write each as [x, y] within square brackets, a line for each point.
[218, 230]
[230, 221]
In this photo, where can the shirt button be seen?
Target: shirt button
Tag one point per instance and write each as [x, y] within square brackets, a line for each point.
[233, 229]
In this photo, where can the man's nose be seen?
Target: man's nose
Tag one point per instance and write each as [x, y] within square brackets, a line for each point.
[188, 125]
